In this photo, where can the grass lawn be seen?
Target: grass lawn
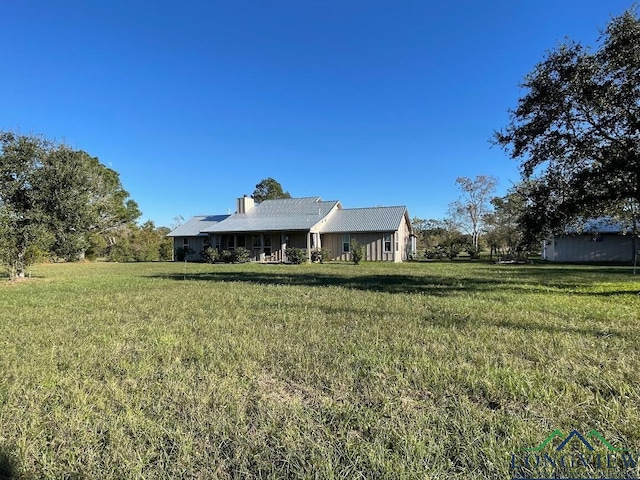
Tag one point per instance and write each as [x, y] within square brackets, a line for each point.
[430, 370]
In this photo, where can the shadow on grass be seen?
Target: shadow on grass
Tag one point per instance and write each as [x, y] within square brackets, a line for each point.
[8, 468]
[566, 329]
[512, 279]
[425, 284]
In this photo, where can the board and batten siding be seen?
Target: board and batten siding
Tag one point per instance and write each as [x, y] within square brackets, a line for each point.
[590, 248]
[373, 243]
[196, 244]
[404, 240]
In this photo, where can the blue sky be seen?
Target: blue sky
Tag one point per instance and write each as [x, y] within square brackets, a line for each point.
[367, 102]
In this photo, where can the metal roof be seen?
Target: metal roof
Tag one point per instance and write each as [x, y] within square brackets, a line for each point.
[373, 219]
[196, 225]
[598, 225]
[284, 214]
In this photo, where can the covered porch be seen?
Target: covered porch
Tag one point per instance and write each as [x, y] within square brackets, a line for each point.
[266, 247]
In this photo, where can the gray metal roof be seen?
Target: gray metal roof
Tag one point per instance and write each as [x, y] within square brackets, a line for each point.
[374, 219]
[196, 225]
[598, 225]
[285, 214]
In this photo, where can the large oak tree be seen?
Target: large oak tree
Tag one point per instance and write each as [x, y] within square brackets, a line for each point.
[52, 198]
[576, 131]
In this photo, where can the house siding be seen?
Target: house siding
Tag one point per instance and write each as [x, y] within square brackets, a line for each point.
[373, 243]
[306, 223]
[589, 248]
[297, 240]
[195, 243]
[406, 247]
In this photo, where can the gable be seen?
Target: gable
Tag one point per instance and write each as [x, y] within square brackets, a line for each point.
[373, 219]
[285, 214]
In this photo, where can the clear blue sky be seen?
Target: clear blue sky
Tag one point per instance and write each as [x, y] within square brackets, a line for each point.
[367, 102]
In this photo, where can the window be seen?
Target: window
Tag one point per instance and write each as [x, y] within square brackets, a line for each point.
[346, 242]
[387, 243]
[256, 241]
[241, 241]
[185, 243]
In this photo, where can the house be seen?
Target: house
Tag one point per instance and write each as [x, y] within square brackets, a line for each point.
[595, 240]
[269, 228]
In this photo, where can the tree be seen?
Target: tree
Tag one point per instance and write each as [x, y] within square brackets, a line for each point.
[503, 232]
[81, 196]
[139, 243]
[469, 210]
[576, 131]
[53, 198]
[441, 238]
[269, 189]
[433, 233]
[177, 221]
[420, 230]
[22, 214]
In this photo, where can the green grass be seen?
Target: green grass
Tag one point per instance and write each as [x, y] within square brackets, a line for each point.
[432, 370]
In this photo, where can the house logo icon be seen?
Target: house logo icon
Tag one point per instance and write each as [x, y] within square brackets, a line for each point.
[575, 435]
[574, 456]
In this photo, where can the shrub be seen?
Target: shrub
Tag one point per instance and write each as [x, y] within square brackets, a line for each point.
[241, 255]
[164, 251]
[453, 251]
[357, 252]
[473, 252]
[182, 252]
[436, 252]
[121, 252]
[226, 256]
[296, 255]
[210, 255]
[320, 254]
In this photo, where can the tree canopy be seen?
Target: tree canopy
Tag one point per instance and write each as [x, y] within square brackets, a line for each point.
[576, 130]
[52, 198]
[269, 189]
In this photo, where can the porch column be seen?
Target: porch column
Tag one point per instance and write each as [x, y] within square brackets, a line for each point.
[261, 254]
[309, 247]
[283, 246]
[393, 245]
